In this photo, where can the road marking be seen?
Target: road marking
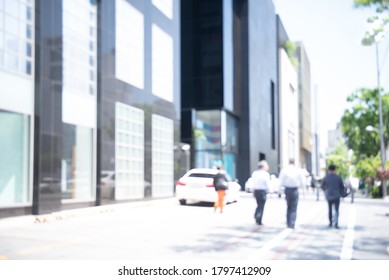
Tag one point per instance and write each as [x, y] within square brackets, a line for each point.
[269, 246]
[259, 254]
[348, 241]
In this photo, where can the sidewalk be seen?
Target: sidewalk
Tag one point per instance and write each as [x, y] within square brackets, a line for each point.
[65, 214]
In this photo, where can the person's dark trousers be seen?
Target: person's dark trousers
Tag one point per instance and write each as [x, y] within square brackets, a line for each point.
[292, 197]
[260, 197]
[333, 219]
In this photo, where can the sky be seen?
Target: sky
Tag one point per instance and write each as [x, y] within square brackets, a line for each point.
[331, 31]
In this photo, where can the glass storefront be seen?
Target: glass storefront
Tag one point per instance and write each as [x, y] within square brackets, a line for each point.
[79, 72]
[14, 160]
[215, 135]
[76, 163]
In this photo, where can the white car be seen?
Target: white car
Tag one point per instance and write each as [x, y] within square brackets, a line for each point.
[249, 185]
[275, 186]
[108, 185]
[197, 186]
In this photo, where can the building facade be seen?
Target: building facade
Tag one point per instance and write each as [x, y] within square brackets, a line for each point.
[92, 111]
[17, 95]
[305, 108]
[229, 84]
[289, 128]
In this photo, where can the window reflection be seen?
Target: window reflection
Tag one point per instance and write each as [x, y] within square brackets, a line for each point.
[76, 165]
[79, 46]
[16, 32]
[12, 62]
[14, 151]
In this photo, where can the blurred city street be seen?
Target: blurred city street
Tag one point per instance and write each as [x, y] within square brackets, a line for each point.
[164, 230]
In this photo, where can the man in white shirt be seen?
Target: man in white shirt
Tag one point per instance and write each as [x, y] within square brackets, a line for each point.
[291, 178]
[261, 185]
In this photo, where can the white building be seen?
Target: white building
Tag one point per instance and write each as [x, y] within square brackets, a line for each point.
[289, 126]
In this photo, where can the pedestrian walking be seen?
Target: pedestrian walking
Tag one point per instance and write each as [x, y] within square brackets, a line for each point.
[220, 183]
[292, 178]
[261, 185]
[333, 187]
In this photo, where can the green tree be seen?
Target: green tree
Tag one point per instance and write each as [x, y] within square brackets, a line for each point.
[380, 5]
[290, 49]
[363, 111]
[367, 167]
[378, 22]
[339, 157]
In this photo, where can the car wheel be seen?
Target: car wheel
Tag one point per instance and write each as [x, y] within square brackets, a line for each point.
[182, 201]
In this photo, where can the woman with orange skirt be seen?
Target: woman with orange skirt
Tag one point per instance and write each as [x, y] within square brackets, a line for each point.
[220, 183]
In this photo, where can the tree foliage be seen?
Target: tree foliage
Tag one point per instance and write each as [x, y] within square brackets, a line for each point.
[367, 167]
[290, 49]
[363, 111]
[377, 22]
[380, 5]
[339, 157]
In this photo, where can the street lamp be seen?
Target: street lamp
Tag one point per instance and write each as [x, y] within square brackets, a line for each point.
[371, 128]
[374, 36]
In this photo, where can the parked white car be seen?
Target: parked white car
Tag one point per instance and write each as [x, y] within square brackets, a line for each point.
[249, 185]
[197, 186]
[108, 185]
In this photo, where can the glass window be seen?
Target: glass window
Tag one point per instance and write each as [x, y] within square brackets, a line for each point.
[1, 20]
[131, 184]
[162, 63]
[28, 31]
[28, 50]
[129, 44]
[11, 25]
[12, 62]
[165, 6]
[12, 8]
[162, 156]
[77, 162]
[23, 11]
[11, 44]
[29, 14]
[78, 47]
[27, 68]
[14, 160]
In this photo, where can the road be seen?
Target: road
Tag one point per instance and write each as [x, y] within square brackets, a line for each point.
[164, 230]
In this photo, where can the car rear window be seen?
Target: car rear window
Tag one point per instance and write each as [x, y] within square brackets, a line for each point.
[201, 175]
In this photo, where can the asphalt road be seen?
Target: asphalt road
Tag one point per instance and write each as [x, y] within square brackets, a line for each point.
[164, 230]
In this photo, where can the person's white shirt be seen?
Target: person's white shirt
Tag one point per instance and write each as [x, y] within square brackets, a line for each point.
[261, 180]
[292, 176]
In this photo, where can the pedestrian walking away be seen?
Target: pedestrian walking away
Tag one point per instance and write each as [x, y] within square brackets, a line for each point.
[220, 183]
[261, 185]
[333, 187]
[292, 178]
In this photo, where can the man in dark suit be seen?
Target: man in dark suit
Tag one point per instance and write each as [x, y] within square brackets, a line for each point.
[333, 187]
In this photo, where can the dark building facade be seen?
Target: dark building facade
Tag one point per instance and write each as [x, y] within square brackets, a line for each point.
[229, 96]
[100, 116]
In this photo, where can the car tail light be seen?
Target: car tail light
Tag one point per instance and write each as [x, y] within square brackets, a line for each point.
[179, 183]
[210, 185]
